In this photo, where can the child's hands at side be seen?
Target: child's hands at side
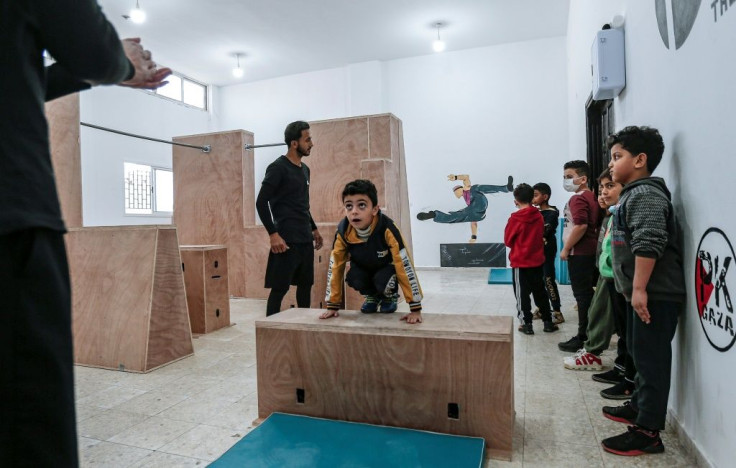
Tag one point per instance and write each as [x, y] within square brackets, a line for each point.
[413, 317]
[329, 313]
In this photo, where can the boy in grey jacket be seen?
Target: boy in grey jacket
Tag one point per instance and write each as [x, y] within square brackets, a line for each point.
[648, 271]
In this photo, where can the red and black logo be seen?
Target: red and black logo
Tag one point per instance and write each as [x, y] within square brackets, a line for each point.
[713, 276]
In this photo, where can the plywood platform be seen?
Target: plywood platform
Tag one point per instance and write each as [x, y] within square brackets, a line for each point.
[128, 302]
[451, 374]
[205, 278]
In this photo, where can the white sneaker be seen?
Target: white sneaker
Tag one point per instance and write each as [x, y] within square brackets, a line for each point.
[583, 360]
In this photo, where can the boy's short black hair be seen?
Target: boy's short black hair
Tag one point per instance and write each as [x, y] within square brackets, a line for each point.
[523, 193]
[581, 167]
[606, 174]
[543, 189]
[294, 131]
[637, 140]
[361, 187]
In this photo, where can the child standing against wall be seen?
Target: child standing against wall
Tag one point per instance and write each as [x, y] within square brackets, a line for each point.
[551, 215]
[648, 270]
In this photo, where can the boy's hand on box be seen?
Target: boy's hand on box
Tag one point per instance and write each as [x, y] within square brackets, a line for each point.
[639, 299]
[329, 313]
[413, 317]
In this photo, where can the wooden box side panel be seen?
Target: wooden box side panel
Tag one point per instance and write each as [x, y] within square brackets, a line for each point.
[112, 282]
[394, 381]
[192, 266]
[63, 119]
[217, 307]
[209, 201]
[340, 146]
[170, 335]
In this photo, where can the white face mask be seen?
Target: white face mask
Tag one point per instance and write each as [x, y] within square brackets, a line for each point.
[569, 185]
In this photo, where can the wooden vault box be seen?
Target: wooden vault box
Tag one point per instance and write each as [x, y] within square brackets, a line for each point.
[128, 303]
[205, 277]
[452, 374]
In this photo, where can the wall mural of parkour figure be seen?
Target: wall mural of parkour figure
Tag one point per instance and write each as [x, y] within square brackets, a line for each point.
[475, 199]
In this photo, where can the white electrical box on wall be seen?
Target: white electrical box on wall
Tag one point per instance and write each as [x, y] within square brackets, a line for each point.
[608, 64]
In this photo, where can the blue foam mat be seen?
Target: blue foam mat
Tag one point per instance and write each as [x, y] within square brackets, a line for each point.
[500, 276]
[285, 440]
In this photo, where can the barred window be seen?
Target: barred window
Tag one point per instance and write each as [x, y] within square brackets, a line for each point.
[148, 190]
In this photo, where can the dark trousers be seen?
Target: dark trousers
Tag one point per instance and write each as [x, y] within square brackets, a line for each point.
[37, 421]
[624, 361]
[550, 281]
[380, 282]
[582, 278]
[526, 281]
[276, 296]
[293, 267]
[651, 347]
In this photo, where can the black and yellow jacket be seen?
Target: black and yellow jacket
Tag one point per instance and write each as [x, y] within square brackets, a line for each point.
[384, 246]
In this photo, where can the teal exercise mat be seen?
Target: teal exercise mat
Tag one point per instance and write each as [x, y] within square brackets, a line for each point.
[286, 440]
[500, 276]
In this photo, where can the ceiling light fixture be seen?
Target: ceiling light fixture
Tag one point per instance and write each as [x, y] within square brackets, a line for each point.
[237, 71]
[137, 15]
[438, 45]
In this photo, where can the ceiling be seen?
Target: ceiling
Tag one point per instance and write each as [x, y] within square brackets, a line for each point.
[285, 37]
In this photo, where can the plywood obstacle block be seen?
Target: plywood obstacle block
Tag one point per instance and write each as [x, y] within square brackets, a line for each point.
[452, 374]
[128, 301]
[205, 278]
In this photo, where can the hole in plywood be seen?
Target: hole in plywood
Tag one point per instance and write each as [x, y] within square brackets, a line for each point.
[300, 396]
[453, 411]
[216, 264]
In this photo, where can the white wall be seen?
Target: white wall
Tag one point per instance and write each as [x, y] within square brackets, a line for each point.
[487, 112]
[104, 153]
[688, 94]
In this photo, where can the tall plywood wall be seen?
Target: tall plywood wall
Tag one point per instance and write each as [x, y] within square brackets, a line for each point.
[63, 119]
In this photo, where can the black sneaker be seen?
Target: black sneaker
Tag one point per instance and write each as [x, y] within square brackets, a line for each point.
[510, 184]
[635, 441]
[526, 328]
[623, 414]
[370, 305]
[421, 216]
[612, 376]
[550, 327]
[571, 345]
[621, 391]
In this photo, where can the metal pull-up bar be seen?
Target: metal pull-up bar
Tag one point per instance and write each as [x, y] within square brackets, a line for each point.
[205, 148]
[252, 147]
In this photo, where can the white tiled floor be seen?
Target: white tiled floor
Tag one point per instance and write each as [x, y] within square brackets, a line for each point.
[190, 412]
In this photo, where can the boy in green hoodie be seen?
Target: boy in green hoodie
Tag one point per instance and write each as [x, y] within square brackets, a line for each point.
[648, 271]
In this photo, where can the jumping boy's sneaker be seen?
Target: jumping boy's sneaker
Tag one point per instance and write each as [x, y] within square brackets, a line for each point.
[635, 441]
[612, 376]
[370, 305]
[557, 317]
[526, 328]
[621, 391]
[583, 360]
[623, 414]
[510, 184]
[389, 304]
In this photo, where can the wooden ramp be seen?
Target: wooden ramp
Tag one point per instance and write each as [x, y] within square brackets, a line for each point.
[128, 302]
[452, 374]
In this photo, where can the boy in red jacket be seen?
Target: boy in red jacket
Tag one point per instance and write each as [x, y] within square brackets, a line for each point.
[524, 237]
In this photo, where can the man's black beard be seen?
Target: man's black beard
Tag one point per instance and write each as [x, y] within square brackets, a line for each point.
[301, 152]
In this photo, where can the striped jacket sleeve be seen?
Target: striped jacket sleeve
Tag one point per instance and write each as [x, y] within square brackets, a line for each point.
[405, 272]
[336, 273]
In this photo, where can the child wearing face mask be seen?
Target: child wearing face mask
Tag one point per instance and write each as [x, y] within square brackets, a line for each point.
[607, 311]
[580, 237]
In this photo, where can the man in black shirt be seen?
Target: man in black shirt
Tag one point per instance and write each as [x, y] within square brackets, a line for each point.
[37, 421]
[294, 236]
